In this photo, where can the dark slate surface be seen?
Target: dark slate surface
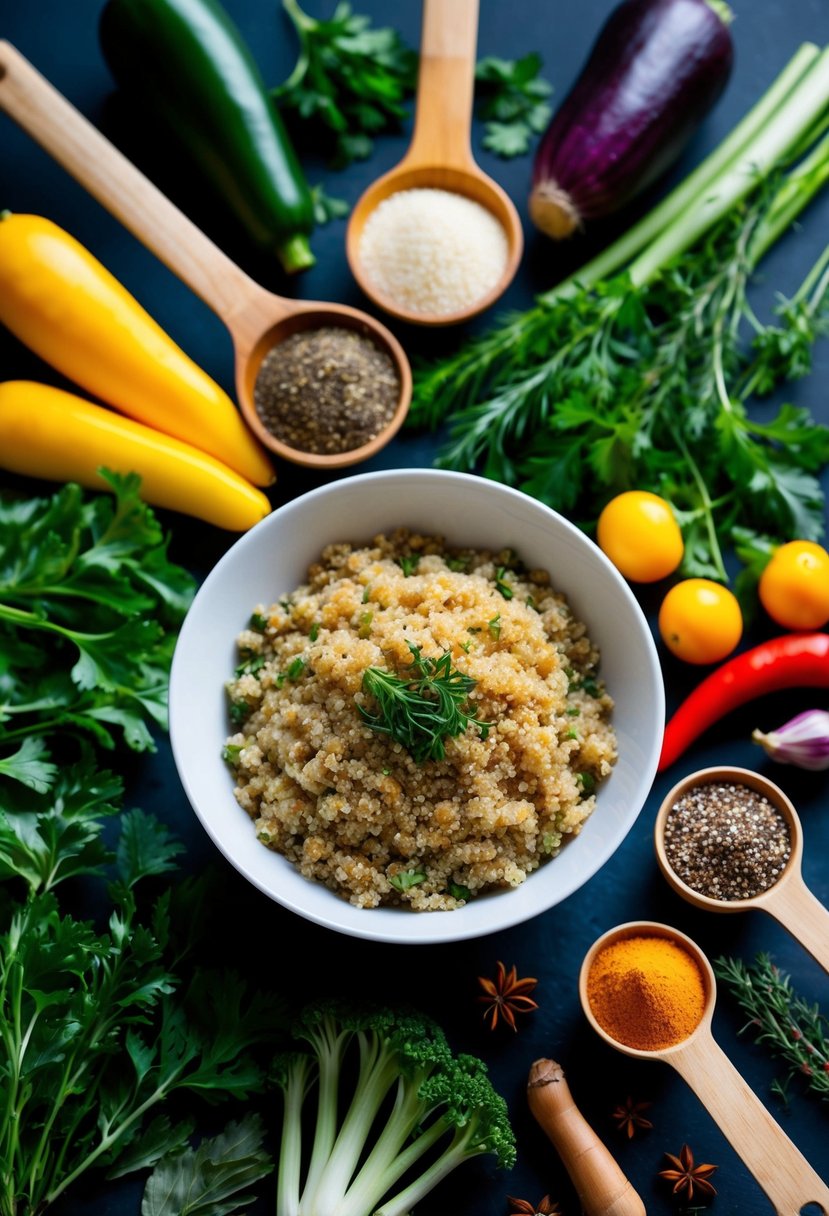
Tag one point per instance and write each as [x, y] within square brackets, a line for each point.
[285, 951]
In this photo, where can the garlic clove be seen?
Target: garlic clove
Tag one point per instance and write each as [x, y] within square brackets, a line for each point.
[802, 741]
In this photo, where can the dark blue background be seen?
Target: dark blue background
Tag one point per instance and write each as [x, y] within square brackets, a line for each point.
[294, 956]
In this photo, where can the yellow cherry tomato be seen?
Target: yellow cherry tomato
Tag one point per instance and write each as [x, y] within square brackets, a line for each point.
[700, 621]
[638, 532]
[794, 587]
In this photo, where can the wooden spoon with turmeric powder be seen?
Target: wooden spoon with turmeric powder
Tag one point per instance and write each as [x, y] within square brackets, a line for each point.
[601, 1186]
[649, 991]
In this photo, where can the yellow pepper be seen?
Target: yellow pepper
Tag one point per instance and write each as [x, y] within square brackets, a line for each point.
[58, 299]
[45, 432]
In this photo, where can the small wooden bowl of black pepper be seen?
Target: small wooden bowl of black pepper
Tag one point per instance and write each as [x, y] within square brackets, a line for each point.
[325, 391]
[728, 840]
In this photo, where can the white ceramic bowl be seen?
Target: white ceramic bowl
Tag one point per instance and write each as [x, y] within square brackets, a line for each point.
[272, 559]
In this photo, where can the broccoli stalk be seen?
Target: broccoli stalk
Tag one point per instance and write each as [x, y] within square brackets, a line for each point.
[409, 1111]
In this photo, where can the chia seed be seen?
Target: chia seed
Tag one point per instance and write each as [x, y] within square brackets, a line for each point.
[726, 840]
[326, 390]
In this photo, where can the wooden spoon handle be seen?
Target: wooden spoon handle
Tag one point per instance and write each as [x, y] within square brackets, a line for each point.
[777, 1164]
[445, 85]
[46, 115]
[805, 917]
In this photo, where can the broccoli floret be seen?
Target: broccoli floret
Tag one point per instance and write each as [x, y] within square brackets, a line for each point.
[394, 1107]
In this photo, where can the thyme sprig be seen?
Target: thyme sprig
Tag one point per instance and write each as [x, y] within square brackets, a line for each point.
[423, 707]
[794, 1030]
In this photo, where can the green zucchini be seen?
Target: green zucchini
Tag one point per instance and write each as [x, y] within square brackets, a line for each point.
[185, 65]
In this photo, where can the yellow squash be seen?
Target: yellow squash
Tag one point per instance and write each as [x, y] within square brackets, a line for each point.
[58, 299]
[45, 432]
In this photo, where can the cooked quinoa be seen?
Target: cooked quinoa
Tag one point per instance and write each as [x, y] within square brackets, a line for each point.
[349, 806]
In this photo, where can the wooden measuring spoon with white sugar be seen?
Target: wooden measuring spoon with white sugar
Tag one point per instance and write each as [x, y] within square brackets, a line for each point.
[778, 1165]
[440, 154]
[257, 319]
[789, 900]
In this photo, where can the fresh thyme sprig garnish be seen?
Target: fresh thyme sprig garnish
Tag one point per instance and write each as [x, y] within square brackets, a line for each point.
[423, 707]
[792, 1029]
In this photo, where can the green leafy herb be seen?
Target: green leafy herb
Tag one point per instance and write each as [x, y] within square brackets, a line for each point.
[365, 625]
[89, 603]
[457, 563]
[408, 563]
[407, 879]
[258, 622]
[494, 627]
[502, 585]
[350, 80]
[29, 766]
[512, 99]
[423, 707]
[326, 207]
[251, 666]
[314, 632]
[207, 1181]
[636, 371]
[231, 753]
[240, 711]
[98, 1029]
[293, 672]
[366, 593]
[466, 646]
[587, 782]
[790, 1027]
[459, 891]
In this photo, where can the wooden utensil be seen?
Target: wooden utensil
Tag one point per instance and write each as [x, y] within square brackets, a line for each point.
[789, 901]
[257, 319]
[602, 1188]
[777, 1164]
[440, 154]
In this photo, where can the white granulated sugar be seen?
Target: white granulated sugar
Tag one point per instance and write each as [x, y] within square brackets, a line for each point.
[432, 251]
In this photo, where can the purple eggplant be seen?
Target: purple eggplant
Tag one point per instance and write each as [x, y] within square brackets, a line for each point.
[655, 70]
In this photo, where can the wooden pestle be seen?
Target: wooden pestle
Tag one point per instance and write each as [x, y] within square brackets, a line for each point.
[602, 1187]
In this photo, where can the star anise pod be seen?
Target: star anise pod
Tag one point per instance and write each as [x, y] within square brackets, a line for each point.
[544, 1207]
[689, 1179]
[506, 995]
[629, 1117]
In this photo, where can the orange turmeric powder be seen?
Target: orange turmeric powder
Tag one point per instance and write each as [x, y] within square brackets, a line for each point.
[646, 992]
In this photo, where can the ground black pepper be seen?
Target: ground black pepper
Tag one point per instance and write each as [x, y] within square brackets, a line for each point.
[326, 390]
[726, 840]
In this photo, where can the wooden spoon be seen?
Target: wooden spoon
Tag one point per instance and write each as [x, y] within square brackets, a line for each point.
[257, 319]
[440, 155]
[777, 1164]
[789, 901]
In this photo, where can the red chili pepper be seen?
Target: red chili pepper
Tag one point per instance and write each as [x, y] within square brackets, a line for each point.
[795, 660]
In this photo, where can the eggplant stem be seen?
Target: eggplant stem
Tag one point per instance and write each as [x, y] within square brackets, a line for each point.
[553, 211]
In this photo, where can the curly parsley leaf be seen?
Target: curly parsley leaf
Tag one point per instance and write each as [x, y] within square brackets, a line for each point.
[212, 1179]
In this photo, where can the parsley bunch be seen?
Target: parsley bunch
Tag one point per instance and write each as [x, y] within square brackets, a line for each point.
[350, 80]
[89, 605]
[422, 708]
[96, 1028]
